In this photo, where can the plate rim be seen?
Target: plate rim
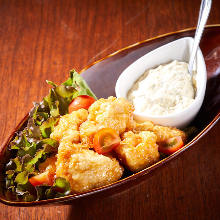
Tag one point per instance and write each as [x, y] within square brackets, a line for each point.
[141, 42]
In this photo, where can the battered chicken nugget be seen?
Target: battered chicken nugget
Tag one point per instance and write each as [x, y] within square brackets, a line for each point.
[138, 151]
[163, 133]
[115, 113]
[86, 169]
[68, 126]
[145, 126]
[87, 131]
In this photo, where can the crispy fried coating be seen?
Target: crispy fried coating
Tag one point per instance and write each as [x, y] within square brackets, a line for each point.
[138, 151]
[87, 131]
[163, 133]
[145, 126]
[83, 168]
[68, 126]
[107, 113]
[86, 169]
[115, 113]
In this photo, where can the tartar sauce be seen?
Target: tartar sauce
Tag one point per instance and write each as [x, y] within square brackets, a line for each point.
[163, 90]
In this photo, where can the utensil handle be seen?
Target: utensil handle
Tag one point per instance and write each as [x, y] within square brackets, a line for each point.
[205, 8]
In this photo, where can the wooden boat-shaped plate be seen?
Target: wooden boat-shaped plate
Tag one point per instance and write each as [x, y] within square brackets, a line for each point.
[101, 77]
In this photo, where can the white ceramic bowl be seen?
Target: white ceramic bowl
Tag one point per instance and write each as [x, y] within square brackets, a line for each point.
[176, 50]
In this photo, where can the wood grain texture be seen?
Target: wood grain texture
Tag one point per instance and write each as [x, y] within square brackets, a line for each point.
[42, 40]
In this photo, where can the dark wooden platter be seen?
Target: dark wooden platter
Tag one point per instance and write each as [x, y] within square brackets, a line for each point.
[102, 76]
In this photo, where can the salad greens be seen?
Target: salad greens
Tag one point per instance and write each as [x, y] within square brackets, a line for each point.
[33, 145]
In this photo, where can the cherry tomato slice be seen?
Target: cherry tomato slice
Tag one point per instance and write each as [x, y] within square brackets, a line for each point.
[105, 140]
[45, 178]
[82, 101]
[171, 145]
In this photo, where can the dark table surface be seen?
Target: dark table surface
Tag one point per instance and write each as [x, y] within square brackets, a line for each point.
[42, 40]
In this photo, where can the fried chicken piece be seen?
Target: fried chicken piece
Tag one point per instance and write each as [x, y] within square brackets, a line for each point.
[71, 136]
[115, 113]
[163, 133]
[107, 113]
[68, 126]
[145, 126]
[138, 151]
[87, 131]
[86, 169]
